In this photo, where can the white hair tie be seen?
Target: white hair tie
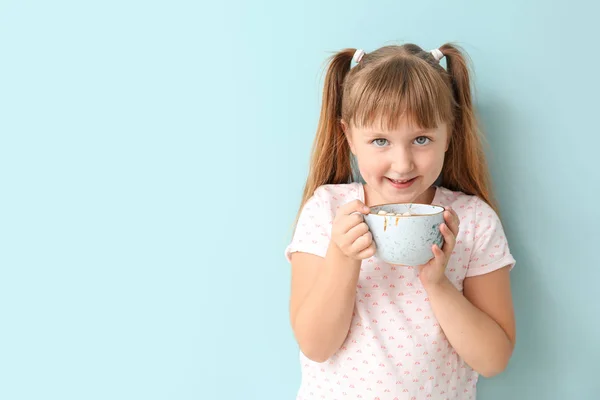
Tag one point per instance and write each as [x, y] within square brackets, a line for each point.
[437, 54]
[358, 55]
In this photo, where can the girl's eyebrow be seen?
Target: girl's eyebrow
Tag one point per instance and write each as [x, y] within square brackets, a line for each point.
[418, 132]
[374, 133]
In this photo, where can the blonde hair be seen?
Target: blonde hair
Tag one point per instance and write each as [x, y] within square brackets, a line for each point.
[387, 85]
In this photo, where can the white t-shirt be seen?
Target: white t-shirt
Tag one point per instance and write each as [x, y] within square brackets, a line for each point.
[395, 348]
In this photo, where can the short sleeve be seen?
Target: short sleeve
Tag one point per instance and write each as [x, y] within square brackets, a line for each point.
[313, 230]
[490, 249]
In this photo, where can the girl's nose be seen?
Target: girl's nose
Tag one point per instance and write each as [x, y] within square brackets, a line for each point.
[402, 162]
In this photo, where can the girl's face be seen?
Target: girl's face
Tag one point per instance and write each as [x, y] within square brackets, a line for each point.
[398, 166]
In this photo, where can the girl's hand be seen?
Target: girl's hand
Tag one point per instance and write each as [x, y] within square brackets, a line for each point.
[433, 273]
[350, 233]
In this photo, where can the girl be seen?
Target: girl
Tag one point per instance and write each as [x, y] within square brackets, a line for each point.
[398, 128]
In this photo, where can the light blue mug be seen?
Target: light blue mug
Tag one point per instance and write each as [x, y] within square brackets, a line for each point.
[404, 233]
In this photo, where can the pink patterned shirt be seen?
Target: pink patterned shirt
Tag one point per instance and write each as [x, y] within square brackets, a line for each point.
[395, 348]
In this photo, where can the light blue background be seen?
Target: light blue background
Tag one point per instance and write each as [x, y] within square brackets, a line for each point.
[152, 158]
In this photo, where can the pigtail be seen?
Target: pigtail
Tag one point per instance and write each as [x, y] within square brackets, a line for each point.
[465, 165]
[330, 159]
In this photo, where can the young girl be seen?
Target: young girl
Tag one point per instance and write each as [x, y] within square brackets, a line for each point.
[371, 330]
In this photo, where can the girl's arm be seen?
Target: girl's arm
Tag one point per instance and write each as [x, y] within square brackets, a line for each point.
[324, 289]
[322, 301]
[480, 324]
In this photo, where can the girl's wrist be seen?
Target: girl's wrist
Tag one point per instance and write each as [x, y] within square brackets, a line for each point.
[438, 287]
[337, 255]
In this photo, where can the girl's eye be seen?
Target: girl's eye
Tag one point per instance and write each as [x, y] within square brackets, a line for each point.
[422, 140]
[380, 142]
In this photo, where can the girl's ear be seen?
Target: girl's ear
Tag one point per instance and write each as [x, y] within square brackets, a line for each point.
[347, 134]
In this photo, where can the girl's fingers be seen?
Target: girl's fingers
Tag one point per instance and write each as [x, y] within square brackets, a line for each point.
[362, 243]
[357, 231]
[452, 220]
[368, 252]
[437, 252]
[449, 239]
[355, 206]
[348, 222]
